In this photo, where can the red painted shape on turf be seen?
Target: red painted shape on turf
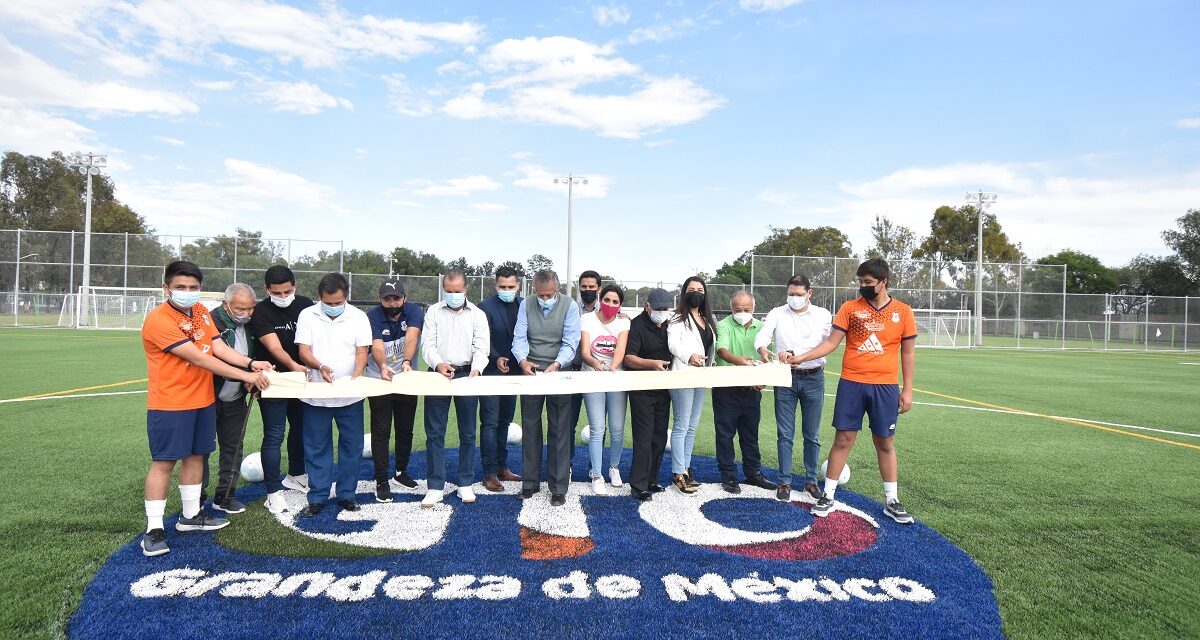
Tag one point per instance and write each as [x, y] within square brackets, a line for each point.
[536, 545]
[837, 535]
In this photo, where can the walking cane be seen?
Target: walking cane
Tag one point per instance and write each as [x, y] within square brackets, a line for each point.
[241, 441]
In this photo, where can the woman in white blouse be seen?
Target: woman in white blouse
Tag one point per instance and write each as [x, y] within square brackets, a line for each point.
[603, 334]
[691, 337]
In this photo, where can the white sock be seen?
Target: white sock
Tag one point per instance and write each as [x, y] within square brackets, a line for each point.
[190, 495]
[891, 492]
[154, 514]
[831, 485]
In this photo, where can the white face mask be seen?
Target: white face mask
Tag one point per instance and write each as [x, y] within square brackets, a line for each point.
[743, 317]
[659, 317]
[285, 302]
[797, 303]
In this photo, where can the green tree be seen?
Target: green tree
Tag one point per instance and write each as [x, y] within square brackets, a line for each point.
[1085, 273]
[1186, 242]
[952, 240]
[514, 265]
[1156, 276]
[461, 264]
[46, 194]
[408, 262]
[797, 241]
[892, 242]
[538, 262]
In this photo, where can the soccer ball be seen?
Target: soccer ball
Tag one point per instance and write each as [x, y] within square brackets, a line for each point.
[514, 433]
[842, 479]
[585, 433]
[366, 445]
[252, 470]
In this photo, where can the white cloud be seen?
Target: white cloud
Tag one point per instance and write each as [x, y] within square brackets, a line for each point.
[1188, 123]
[606, 16]
[454, 187]
[489, 206]
[360, 153]
[758, 6]
[304, 98]
[215, 85]
[174, 142]
[985, 175]
[663, 32]
[404, 99]
[521, 155]
[32, 131]
[455, 67]
[542, 179]
[771, 195]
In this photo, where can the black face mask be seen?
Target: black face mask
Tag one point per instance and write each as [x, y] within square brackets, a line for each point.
[588, 297]
[695, 299]
[393, 312]
[868, 293]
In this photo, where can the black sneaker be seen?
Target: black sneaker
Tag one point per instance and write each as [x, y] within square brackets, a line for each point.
[154, 543]
[202, 521]
[229, 505]
[731, 486]
[406, 480]
[783, 493]
[760, 481]
[657, 488]
[822, 507]
[642, 496]
[313, 509]
[895, 511]
[383, 491]
[348, 505]
[558, 500]
[528, 493]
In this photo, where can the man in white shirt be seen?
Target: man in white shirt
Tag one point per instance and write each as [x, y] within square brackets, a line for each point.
[457, 340]
[333, 338]
[798, 327]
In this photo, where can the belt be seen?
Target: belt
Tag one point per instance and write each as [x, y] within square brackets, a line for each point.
[807, 372]
[459, 368]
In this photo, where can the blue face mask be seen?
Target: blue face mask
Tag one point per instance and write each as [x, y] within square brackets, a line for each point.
[332, 312]
[455, 300]
[547, 305]
[506, 296]
[185, 299]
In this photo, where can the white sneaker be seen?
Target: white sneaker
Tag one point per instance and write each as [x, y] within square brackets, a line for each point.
[598, 487]
[432, 497]
[466, 494]
[614, 476]
[296, 483]
[276, 503]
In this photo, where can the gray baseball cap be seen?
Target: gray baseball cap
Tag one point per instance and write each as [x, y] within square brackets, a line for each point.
[659, 299]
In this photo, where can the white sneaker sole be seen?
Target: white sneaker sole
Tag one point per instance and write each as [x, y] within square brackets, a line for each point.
[152, 554]
[294, 486]
[217, 507]
[909, 520]
[198, 527]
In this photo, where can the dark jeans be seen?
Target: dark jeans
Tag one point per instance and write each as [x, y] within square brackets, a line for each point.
[736, 411]
[437, 413]
[495, 414]
[809, 391]
[574, 410]
[560, 438]
[230, 417]
[398, 410]
[279, 414]
[649, 415]
[318, 450]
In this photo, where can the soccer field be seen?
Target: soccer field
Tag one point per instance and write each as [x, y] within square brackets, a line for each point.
[1071, 478]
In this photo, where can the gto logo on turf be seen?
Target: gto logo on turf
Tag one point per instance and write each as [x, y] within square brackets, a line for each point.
[715, 564]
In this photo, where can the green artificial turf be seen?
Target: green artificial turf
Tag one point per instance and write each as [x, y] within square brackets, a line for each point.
[1084, 532]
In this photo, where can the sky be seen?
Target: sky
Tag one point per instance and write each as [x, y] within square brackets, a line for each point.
[441, 126]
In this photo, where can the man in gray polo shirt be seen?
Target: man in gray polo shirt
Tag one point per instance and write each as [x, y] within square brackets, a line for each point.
[545, 340]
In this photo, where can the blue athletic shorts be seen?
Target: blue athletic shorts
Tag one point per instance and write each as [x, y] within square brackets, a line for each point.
[175, 435]
[879, 402]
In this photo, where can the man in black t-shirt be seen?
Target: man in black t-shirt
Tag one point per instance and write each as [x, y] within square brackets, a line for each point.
[649, 411]
[274, 326]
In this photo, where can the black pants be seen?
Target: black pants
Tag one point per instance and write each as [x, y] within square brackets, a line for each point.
[230, 417]
[395, 410]
[649, 415]
[560, 440]
[736, 411]
[574, 410]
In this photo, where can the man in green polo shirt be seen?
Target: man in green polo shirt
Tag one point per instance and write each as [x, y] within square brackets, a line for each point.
[736, 409]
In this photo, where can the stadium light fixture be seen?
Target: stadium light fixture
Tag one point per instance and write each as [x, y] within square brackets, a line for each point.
[981, 199]
[570, 180]
[88, 164]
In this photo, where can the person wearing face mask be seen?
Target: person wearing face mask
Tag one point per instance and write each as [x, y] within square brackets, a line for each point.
[183, 352]
[603, 337]
[879, 331]
[691, 337]
[334, 338]
[736, 410]
[795, 327]
[649, 410]
[545, 340]
[274, 327]
[395, 330]
[496, 412]
[589, 302]
[456, 344]
[231, 319]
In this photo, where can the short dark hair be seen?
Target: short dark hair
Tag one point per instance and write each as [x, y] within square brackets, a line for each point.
[279, 274]
[875, 267]
[615, 289]
[182, 268]
[332, 283]
[506, 271]
[590, 274]
[800, 280]
[454, 274]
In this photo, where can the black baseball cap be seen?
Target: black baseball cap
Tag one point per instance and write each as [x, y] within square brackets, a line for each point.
[392, 288]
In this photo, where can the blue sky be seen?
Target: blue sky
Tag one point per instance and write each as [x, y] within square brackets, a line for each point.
[439, 126]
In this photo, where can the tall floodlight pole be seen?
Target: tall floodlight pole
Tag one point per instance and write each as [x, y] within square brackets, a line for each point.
[571, 181]
[981, 199]
[88, 164]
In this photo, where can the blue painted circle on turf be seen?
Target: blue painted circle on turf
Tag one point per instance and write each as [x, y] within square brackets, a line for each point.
[237, 594]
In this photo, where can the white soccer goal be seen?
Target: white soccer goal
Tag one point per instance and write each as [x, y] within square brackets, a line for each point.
[117, 307]
[943, 327]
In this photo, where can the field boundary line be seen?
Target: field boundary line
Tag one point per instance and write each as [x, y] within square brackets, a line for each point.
[74, 395]
[67, 391]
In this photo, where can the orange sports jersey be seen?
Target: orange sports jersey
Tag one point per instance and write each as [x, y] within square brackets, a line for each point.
[175, 383]
[873, 338]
